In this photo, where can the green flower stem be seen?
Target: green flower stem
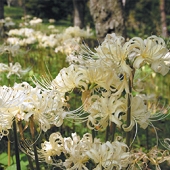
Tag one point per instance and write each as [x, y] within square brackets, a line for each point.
[36, 157]
[93, 134]
[113, 130]
[22, 140]
[16, 146]
[30, 163]
[128, 134]
[147, 139]
[32, 129]
[9, 153]
[9, 61]
[107, 133]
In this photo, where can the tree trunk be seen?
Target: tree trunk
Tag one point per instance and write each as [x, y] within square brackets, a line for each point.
[20, 2]
[163, 19]
[1, 18]
[79, 9]
[1, 9]
[108, 17]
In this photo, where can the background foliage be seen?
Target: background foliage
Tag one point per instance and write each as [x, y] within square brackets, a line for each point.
[49, 8]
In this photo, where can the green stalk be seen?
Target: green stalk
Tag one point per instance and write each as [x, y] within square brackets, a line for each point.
[32, 129]
[9, 152]
[22, 140]
[107, 133]
[93, 134]
[16, 146]
[113, 130]
[128, 134]
[36, 156]
[147, 139]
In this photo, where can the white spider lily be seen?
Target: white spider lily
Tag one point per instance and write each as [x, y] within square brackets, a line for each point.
[45, 106]
[97, 76]
[104, 110]
[139, 113]
[66, 79]
[10, 99]
[160, 67]
[52, 148]
[115, 49]
[3, 67]
[5, 122]
[16, 69]
[107, 67]
[152, 50]
[13, 69]
[11, 96]
[109, 155]
[11, 49]
[76, 151]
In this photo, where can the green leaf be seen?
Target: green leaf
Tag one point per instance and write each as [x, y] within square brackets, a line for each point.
[12, 167]
[4, 158]
[4, 161]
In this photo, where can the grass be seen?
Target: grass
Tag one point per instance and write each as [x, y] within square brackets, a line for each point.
[14, 12]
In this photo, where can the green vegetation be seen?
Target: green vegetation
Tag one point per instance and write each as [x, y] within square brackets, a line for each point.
[15, 13]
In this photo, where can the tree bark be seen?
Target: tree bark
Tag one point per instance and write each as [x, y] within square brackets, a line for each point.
[20, 2]
[1, 19]
[79, 9]
[108, 17]
[1, 9]
[163, 19]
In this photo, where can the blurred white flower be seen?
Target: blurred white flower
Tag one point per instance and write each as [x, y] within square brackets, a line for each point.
[35, 21]
[51, 20]
[13, 40]
[25, 32]
[11, 49]
[51, 27]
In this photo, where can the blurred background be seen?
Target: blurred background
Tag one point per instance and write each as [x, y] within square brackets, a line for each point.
[128, 17]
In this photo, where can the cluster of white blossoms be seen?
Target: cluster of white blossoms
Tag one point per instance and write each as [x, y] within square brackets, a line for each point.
[35, 21]
[23, 101]
[78, 152]
[104, 78]
[11, 68]
[64, 42]
[7, 22]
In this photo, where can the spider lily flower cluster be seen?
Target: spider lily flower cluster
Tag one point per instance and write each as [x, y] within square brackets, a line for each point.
[104, 78]
[61, 42]
[78, 152]
[23, 101]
